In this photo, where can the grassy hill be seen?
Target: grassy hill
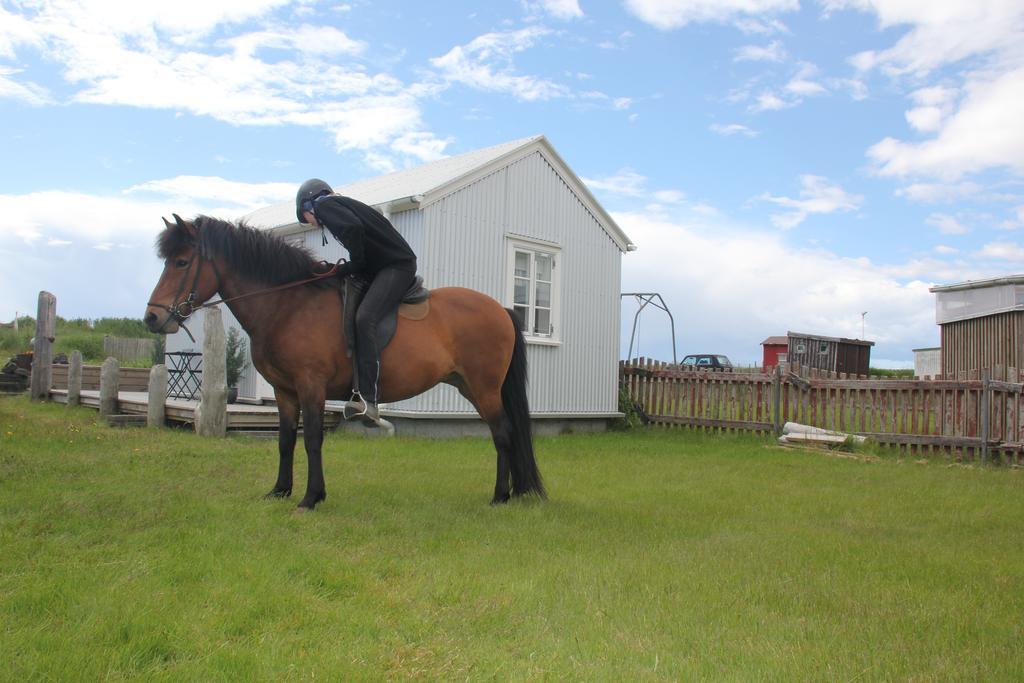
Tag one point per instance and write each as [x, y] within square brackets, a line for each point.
[78, 334]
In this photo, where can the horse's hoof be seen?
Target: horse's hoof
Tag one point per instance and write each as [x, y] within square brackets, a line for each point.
[277, 493]
[499, 500]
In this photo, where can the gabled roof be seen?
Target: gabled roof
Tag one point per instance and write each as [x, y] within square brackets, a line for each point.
[421, 186]
[776, 341]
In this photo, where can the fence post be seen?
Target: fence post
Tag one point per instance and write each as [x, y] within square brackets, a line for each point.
[110, 385]
[211, 414]
[983, 428]
[42, 349]
[75, 378]
[156, 405]
[777, 399]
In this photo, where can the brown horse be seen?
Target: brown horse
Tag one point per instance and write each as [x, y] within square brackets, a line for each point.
[467, 340]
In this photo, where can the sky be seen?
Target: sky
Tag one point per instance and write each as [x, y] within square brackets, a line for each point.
[782, 165]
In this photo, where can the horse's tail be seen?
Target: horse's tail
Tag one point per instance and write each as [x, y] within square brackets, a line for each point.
[525, 475]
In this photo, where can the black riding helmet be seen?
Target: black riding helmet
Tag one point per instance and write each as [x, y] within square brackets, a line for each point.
[308, 191]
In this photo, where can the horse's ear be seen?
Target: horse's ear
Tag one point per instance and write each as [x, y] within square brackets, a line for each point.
[166, 222]
[186, 226]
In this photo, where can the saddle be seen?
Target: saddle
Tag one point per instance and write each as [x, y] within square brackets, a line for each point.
[415, 306]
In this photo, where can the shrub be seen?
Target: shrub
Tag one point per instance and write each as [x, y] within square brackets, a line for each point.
[632, 415]
[236, 357]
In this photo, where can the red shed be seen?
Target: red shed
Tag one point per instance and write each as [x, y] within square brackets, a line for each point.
[775, 349]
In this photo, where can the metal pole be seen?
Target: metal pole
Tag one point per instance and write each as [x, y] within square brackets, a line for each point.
[648, 298]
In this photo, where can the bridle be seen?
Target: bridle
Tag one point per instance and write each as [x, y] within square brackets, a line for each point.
[182, 310]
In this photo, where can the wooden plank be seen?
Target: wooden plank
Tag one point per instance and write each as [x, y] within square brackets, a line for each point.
[984, 422]
[705, 422]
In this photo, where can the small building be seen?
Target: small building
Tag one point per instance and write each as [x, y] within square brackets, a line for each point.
[515, 222]
[832, 354]
[981, 324]
[775, 350]
[928, 362]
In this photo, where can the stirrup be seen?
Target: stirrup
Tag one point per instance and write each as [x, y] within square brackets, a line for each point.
[356, 406]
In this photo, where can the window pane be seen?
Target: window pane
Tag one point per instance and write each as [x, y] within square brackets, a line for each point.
[544, 267]
[543, 294]
[521, 312]
[522, 292]
[543, 321]
[522, 264]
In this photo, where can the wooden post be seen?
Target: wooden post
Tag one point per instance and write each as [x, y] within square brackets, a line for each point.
[777, 399]
[984, 410]
[110, 385]
[42, 349]
[75, 378]
[211, 414]
[156, 406]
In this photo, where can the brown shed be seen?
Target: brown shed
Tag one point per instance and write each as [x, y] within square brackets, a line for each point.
[834, 354]
[981, 324]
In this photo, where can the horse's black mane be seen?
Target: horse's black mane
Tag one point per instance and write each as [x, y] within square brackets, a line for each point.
[254, 254]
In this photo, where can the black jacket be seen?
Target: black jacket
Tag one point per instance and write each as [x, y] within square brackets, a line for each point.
[371, 240]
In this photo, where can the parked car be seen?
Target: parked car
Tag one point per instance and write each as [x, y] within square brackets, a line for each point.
[707, 361]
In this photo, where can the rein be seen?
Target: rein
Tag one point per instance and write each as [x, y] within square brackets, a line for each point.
[182, 310]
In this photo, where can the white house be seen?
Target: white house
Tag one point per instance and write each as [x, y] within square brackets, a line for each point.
[512, 221]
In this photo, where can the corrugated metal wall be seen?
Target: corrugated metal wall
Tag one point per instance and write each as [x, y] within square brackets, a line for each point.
[464, 244]
[983, 342]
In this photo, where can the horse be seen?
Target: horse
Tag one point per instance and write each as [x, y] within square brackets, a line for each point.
[294, 320]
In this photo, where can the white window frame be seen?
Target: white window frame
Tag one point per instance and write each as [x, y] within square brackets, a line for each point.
[535, 247]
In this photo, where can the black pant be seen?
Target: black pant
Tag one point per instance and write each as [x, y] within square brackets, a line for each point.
[382, 296]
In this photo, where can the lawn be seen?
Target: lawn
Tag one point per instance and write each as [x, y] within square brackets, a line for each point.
[660, 556]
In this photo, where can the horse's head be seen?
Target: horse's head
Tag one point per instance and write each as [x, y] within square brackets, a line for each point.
[189, 279]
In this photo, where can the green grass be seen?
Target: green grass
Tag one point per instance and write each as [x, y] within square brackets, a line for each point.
[660, 556]
[78, 334]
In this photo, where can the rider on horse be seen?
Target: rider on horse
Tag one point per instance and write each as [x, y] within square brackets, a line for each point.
[377, 254]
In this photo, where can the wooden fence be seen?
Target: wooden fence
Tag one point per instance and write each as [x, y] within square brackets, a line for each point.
[130, 379]
[125, 349]
[972, 415]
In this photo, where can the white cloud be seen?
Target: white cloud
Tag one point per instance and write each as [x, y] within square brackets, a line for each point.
[560, 9]
[671, 14]
[939, 192]
[771, 102]
[773, 52]
[940, 32]
[127, 219]
[975, 125]
[761, 26]
[486, 63]
[947, 225]
[1003, 251]
[934, 105]
[15, 31]
[214, 189]
[733, 129]
[945, 249]
[629, 183]
[856, 88]
[703, 265]
[189, 56]
[668, 196]
[29, 93]
[801, 87]
[626, 182]
[984, 133]
[817, 196]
